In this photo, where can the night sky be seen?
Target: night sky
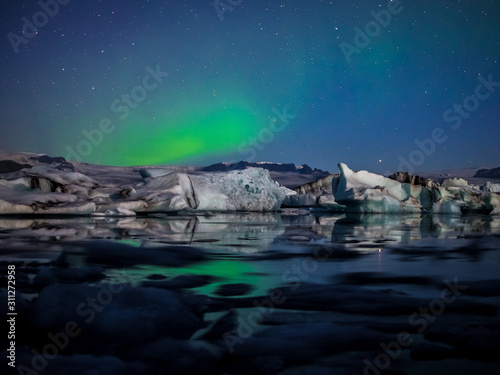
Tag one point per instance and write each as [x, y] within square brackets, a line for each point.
[379, 86]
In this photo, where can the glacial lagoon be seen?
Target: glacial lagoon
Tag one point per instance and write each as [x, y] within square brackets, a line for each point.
[291, 292]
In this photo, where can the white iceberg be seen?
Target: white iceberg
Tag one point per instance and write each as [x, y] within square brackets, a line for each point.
[46, 190]
[300, 200]
[166, 193]
[491, 187]
[251, 189]
[365, 192]
[14, 202]
[110, 191]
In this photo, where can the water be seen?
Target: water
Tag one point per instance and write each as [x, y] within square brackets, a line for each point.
[312, 273]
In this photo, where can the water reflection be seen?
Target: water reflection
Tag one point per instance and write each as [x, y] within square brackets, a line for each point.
[250, 232]
[373, 231]
[339, 277]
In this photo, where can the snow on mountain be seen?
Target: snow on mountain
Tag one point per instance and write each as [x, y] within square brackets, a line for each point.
[274, 167]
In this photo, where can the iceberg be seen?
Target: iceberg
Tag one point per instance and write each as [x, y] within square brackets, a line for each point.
[128, 191]
[48, 190]
[14, 202]
[365, 192]
[251, 189]
[300, 200]
[491, 187]
[166, 193]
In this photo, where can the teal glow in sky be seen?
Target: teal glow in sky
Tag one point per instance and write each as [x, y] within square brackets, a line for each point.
[372, 84]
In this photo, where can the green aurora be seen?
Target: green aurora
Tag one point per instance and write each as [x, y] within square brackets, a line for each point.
[172, 139]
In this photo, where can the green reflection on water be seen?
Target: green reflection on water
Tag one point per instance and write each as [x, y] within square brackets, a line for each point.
[223, 271]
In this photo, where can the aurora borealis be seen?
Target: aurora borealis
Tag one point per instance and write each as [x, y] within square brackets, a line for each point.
[79, 81]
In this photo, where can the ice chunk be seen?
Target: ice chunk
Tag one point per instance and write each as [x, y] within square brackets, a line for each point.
[42, 189]
[7, 208]
[327, 201]
[153, 172]
[170, 192]
[450, 207]
[251, 189]
[300, 200]
[492, 201]
[365, 192]
[59, 177]
[350, 182]
[454, 182]
[491, 187]
[25, 202]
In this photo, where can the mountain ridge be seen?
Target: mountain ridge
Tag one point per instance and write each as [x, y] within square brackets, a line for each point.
[272, 167]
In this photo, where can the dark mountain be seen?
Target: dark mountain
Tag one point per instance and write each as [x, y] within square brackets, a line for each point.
[488, 173]
[49, 159]
[15, 161]
[272, 167]
[7, 166]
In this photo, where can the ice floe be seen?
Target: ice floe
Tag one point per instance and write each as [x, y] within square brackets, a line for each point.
[365, 192]
[48, 190]
[56, 189]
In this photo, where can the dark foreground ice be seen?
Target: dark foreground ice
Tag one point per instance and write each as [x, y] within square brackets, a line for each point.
[289, 293]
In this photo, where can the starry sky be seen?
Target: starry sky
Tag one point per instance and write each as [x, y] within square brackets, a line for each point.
[382, 86]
